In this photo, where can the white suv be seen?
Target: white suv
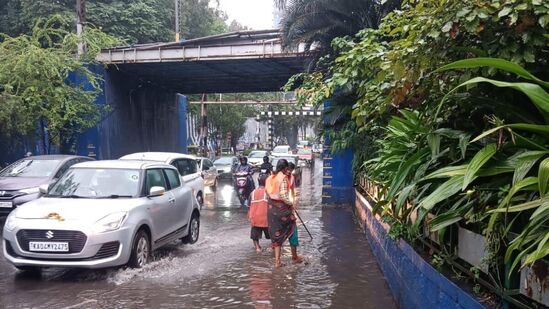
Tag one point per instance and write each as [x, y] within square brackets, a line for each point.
[185, 164]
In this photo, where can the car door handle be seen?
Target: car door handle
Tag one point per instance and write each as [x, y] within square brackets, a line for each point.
[172, 200]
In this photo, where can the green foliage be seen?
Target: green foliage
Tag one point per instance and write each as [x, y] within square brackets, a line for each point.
[34, 70]
[136, 21]
[433, 75]
[318, 22]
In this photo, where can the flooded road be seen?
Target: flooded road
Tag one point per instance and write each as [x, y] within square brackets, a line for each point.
[222, 270]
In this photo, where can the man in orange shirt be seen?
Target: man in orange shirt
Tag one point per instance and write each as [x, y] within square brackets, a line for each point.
[258, 213]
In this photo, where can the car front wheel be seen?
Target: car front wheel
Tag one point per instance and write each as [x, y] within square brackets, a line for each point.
[194, 230]
[141, 250]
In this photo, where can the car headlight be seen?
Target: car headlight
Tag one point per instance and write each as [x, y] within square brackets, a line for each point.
[11, 222]
[30, 190]
[110, 222]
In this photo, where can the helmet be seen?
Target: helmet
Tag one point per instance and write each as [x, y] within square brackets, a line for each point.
[243, 160]
[266, 159]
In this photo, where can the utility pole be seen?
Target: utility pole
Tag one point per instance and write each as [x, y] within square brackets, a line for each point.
[204, 130]
[80, 20]
[177, 17]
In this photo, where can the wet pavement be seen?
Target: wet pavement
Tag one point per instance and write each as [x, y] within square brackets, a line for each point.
[222, 270]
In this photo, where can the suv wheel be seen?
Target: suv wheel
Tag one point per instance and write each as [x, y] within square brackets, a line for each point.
[141, 250]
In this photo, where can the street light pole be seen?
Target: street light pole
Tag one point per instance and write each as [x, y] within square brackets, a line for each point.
[177, 22]
[80, 20]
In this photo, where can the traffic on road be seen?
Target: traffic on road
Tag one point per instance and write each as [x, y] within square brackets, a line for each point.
[83, 244]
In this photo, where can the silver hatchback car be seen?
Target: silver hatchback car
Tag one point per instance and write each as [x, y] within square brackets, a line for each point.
[102, 214]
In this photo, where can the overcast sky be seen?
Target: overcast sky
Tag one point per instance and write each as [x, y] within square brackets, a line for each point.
[256, 14]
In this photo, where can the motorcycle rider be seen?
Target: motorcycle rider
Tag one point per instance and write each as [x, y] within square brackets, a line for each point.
[244, 167]
[266, 167]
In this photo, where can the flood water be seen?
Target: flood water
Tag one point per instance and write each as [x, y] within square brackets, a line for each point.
[222, 270]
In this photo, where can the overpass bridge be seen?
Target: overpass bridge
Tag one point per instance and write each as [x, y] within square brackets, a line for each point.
[145, 87]
[243, 61]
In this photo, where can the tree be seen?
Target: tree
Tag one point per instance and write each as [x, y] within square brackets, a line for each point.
[228, 119]
[198, 19]
[320, 21]
[137, 21]
[236, 26]
[34, 87]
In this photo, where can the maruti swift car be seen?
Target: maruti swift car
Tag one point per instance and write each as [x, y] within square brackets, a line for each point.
[102, 214]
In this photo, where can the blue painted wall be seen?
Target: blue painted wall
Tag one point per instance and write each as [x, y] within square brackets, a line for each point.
[338, 172]
[89, 142]
[141, 117]
[413, 282]
[182, 111]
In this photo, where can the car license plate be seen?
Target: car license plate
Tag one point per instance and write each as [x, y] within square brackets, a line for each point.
[6, 205]
[48, 246]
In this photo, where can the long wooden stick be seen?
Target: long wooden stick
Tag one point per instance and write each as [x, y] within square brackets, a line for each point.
[306, 229]
[298, 216]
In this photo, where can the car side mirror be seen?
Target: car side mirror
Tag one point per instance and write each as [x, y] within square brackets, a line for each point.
[213, 168]
[157, 191]
[43, 189]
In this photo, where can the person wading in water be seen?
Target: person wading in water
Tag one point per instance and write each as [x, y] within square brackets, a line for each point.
[257, 213]
[282, 222]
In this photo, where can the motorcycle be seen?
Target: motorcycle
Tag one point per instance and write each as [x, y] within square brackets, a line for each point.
[264, 172]
[242, 187]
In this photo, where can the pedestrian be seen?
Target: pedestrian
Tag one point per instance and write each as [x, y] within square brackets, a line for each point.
[282, 221]
[294, 240]
[257, 214]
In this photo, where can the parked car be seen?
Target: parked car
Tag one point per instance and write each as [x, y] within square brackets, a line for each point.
[208, 170]
[19, 182]
[226, 166]
[281, 150]
[102, 214]
[255, 158]
[185, 164]
[303, 144]
[305, 155]
[293, 159]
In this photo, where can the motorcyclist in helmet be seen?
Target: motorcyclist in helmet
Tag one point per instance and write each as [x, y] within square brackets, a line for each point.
[266, 167]
[245, 167]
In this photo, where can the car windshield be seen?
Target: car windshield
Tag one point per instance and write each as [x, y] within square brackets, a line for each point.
[257, 154]
[281, 149]
[97, 183]
[226, 160]
[289, 159]
[30, 168]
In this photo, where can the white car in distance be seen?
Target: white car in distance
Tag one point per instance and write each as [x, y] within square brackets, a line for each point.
[281, 150]
[187, 166]
[255, 158]
[208, 171]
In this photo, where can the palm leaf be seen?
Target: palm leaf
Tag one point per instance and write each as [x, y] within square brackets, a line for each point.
[477, 162]
[523, 206]
[534, 128]
[543, 176]
[497, 63]
[444, 191]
